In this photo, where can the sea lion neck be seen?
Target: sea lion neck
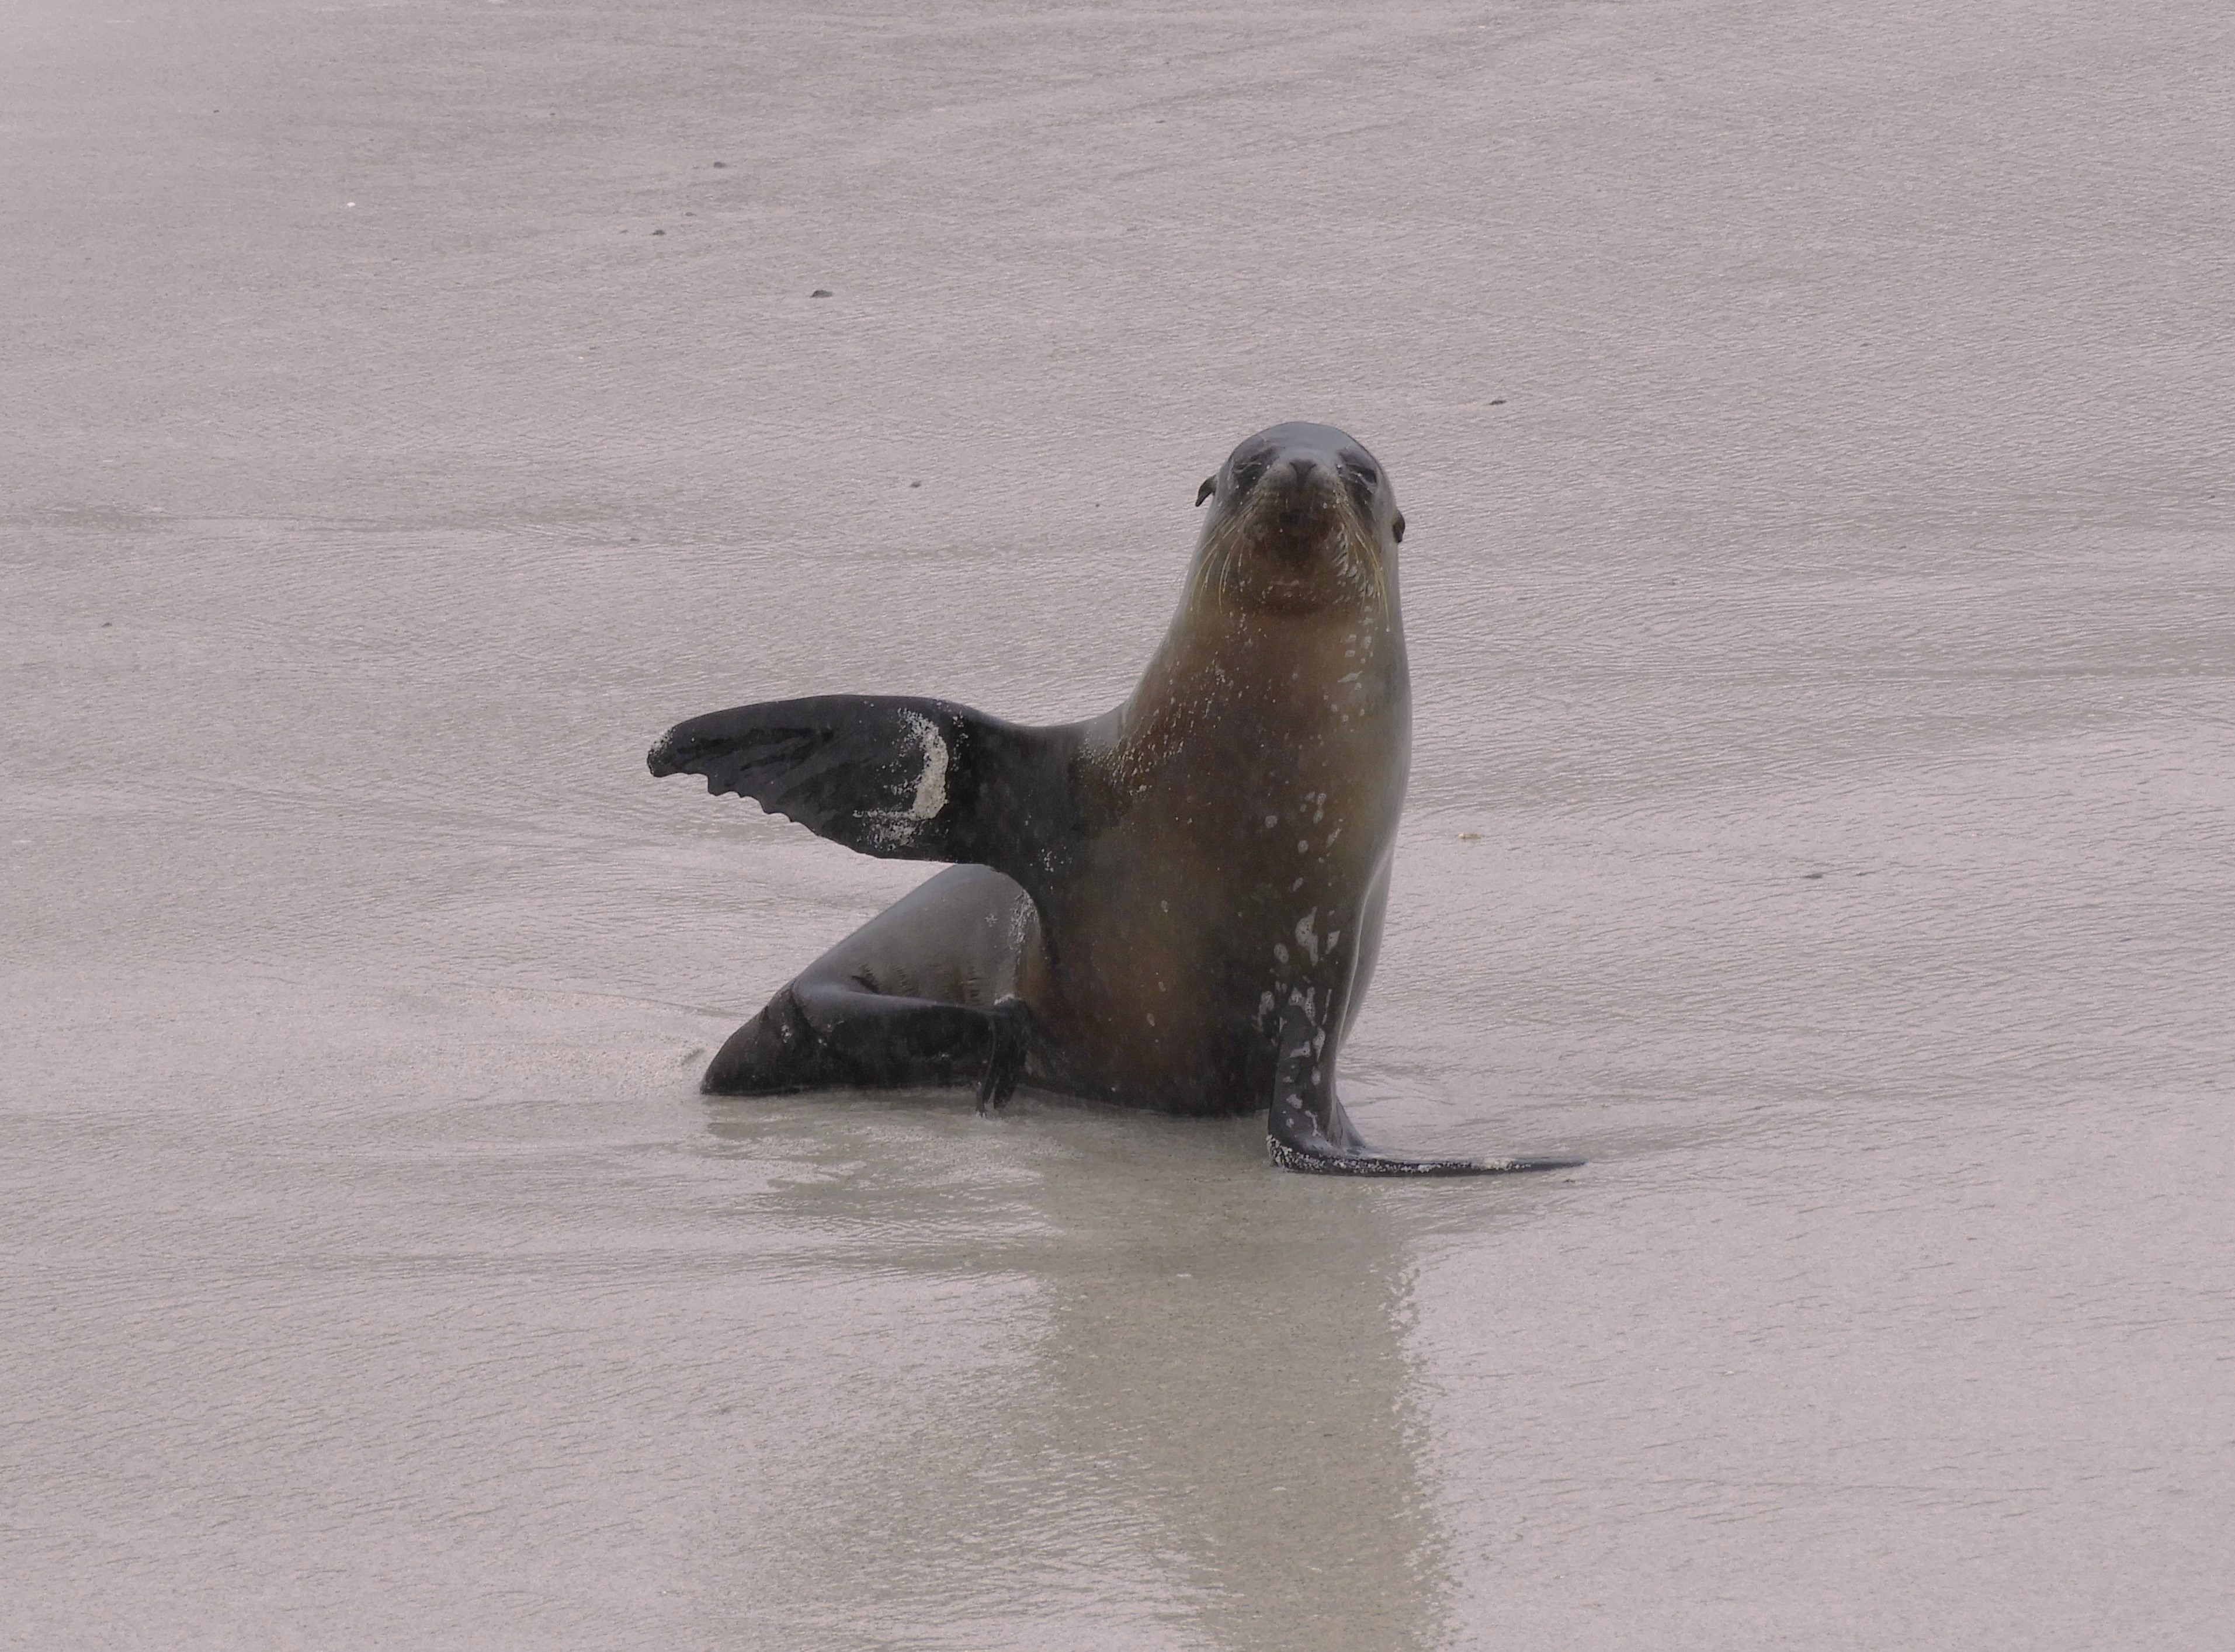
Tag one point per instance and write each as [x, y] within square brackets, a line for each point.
[1249, 647]
[1240, 681]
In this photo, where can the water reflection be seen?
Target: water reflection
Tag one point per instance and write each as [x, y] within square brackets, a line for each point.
[1129, 1381]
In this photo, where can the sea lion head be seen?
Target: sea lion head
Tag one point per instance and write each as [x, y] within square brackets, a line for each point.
[1302, 518]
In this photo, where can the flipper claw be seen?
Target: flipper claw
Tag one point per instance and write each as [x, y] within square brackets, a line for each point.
[1013, 1040]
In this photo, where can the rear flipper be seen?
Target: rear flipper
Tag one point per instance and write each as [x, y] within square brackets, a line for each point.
[827, 1034]
[1307, 1130]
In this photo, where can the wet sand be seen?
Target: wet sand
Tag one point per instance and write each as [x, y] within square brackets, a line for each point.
[1813, 424]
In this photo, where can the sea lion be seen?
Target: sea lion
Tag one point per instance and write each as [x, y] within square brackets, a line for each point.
[1175, 906]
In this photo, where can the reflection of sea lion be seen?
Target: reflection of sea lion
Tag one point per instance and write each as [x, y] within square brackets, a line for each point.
[1174, 906]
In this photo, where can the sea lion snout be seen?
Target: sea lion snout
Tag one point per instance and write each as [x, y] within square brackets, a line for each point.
[1299, 477]
[1304, 507]
[1292, 473]
[1300, 500]
[1302, 511]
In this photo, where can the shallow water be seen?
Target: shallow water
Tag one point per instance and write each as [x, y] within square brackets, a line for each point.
[1814, 425]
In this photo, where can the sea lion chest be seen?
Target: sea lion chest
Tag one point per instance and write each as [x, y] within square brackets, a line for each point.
[1249, 799]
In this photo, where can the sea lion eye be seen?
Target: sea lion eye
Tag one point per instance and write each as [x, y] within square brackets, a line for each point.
[1209, 486]
[1397, 528]
[1246, 471]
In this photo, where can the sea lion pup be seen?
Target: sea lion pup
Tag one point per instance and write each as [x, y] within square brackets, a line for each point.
[1175, 906]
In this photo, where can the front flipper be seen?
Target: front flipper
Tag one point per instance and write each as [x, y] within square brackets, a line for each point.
[1307, 1130]
[903, 779]
[1297, 1142]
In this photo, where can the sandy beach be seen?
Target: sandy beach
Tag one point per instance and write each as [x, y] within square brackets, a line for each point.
[1814, 426]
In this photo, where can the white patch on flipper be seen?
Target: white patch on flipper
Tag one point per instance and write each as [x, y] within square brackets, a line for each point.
[931, 784]
[892, 828]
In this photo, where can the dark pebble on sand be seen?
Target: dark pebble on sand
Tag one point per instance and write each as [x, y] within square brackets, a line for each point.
[820, 292]
[915, 484]
[1811, 875]
[1498, 401]
[659, 231]
[721, 163]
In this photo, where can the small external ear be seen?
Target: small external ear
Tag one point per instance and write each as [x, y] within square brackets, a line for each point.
[1397, 528]
[1209, 486]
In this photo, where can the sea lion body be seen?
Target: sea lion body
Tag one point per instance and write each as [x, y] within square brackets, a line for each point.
[1266, 758]
[1176, 905]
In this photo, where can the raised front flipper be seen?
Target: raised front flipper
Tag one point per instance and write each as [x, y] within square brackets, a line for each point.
[1307, 1130]
[900, 778]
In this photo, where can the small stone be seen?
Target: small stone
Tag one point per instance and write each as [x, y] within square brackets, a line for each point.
[659, 231]
[820, 292]
[1498, 401]
[1811, 876]
[721, 163]
[915, 484]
